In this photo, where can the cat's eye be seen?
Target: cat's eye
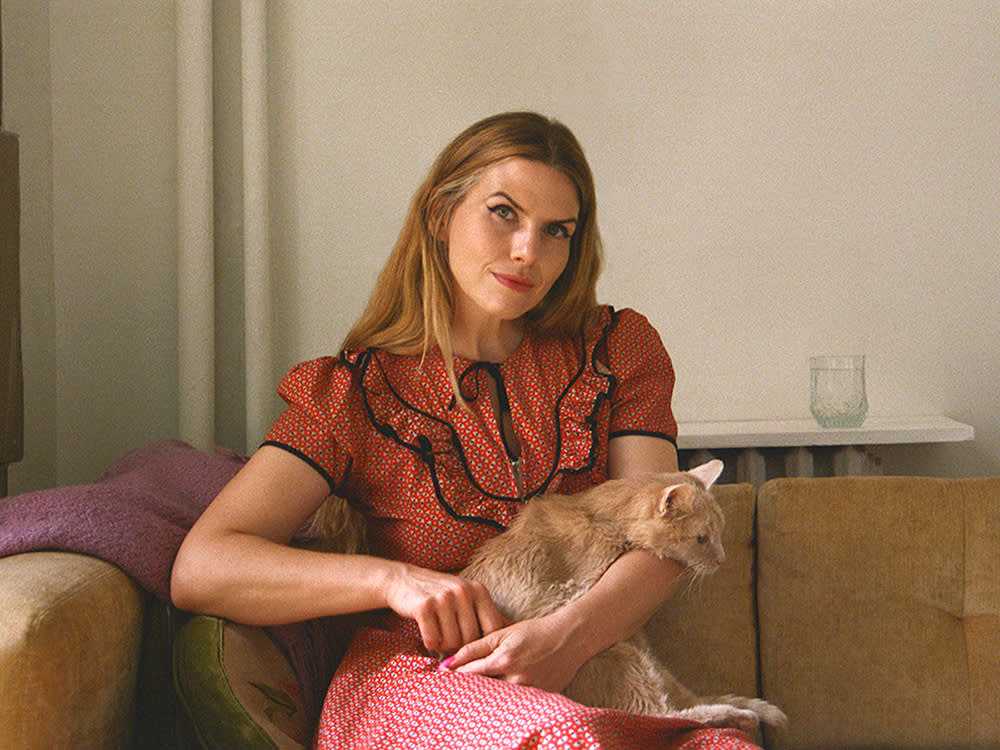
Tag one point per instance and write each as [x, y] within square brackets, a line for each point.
[702, 539]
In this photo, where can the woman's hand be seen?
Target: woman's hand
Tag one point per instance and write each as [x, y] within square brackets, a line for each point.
[533, 652]
[547, 652]
[450, 611]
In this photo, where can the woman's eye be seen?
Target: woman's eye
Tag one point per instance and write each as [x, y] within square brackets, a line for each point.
[503, 211]
[560, 231]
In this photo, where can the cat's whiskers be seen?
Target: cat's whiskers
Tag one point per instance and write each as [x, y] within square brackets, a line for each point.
[695, 581]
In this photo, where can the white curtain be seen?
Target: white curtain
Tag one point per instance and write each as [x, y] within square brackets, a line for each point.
[197, 288]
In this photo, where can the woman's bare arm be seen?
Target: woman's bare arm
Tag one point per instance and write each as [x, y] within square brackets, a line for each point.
[236, 563]
[638, 583]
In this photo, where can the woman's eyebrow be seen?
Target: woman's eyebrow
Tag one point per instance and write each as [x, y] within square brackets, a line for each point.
[506, 196]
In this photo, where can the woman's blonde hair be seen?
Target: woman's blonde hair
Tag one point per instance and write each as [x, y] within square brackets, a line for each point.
[411, 307]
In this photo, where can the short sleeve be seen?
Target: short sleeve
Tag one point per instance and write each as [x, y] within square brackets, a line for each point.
[319, 398]
[644, 379]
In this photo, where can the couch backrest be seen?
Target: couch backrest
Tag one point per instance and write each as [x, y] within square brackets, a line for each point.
[879, 603]
[707, 635]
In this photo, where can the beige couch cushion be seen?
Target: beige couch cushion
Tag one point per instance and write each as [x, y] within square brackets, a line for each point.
[68, 622]
[706, 635]
[880, 611]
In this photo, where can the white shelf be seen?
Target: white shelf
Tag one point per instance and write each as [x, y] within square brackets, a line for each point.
[791, 433]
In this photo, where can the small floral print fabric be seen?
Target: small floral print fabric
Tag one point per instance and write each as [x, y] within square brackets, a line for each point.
[435, 479]
[388, 694]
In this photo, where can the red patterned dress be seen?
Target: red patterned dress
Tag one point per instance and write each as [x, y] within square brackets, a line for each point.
[435, 480]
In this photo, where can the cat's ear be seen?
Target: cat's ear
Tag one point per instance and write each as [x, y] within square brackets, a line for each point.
[675, 496]
[708, 472]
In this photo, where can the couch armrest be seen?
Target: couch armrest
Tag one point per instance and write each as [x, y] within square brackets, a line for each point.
[69, 649]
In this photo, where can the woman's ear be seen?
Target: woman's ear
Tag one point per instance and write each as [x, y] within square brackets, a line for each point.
[437, 223]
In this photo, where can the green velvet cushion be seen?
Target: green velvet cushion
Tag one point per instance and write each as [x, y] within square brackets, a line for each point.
[238, 688]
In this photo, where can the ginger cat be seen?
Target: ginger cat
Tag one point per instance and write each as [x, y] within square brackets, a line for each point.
[559, 545]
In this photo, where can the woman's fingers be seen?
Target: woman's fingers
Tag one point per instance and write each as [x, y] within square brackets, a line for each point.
[450, 611]
[430, 631]
[454, 611]
[490, 618]
[530, 652]
[472, 657]
[473, 615]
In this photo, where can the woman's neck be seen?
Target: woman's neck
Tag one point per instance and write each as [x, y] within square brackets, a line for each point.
[490, 342]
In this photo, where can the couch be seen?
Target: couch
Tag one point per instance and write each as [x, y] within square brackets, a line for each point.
[868, 608]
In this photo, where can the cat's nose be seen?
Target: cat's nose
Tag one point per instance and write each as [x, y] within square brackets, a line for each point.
[720, 556]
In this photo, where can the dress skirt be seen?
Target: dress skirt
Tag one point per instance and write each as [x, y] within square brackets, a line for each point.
[388, 694]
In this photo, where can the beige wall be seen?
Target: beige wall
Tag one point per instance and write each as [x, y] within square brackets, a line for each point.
[776, 180]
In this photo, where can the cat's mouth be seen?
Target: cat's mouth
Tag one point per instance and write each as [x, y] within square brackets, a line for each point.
[703, 568]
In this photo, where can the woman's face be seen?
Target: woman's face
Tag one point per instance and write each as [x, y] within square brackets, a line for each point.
[509, 240]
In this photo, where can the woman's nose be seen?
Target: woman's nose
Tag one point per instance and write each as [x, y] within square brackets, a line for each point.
[525, 246]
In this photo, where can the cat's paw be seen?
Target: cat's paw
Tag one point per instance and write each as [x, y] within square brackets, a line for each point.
[771, 715]
[766, 712]
[722, 716]
[739, 718]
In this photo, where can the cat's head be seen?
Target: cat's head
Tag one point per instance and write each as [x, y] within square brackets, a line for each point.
[688, 520]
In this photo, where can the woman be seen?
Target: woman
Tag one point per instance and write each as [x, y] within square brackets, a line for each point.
[481, 374]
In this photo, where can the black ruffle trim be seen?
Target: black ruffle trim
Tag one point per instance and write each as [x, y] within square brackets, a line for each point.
[361, 363]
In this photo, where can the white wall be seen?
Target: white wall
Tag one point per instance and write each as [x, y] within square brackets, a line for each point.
[89, 87]
[776, 180]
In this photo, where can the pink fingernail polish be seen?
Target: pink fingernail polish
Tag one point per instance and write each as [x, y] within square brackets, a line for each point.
[446, 664]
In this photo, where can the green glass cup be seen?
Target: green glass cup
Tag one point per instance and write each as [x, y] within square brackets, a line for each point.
[837, 390]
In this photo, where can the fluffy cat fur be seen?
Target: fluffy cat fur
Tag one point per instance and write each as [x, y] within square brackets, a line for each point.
[559, 545]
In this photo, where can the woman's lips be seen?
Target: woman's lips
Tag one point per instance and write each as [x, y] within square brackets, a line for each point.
[517, 283]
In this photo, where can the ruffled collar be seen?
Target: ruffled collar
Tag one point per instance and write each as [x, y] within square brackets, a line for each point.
[555, 387]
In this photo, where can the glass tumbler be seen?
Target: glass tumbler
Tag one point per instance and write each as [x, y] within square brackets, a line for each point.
[837, 390]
